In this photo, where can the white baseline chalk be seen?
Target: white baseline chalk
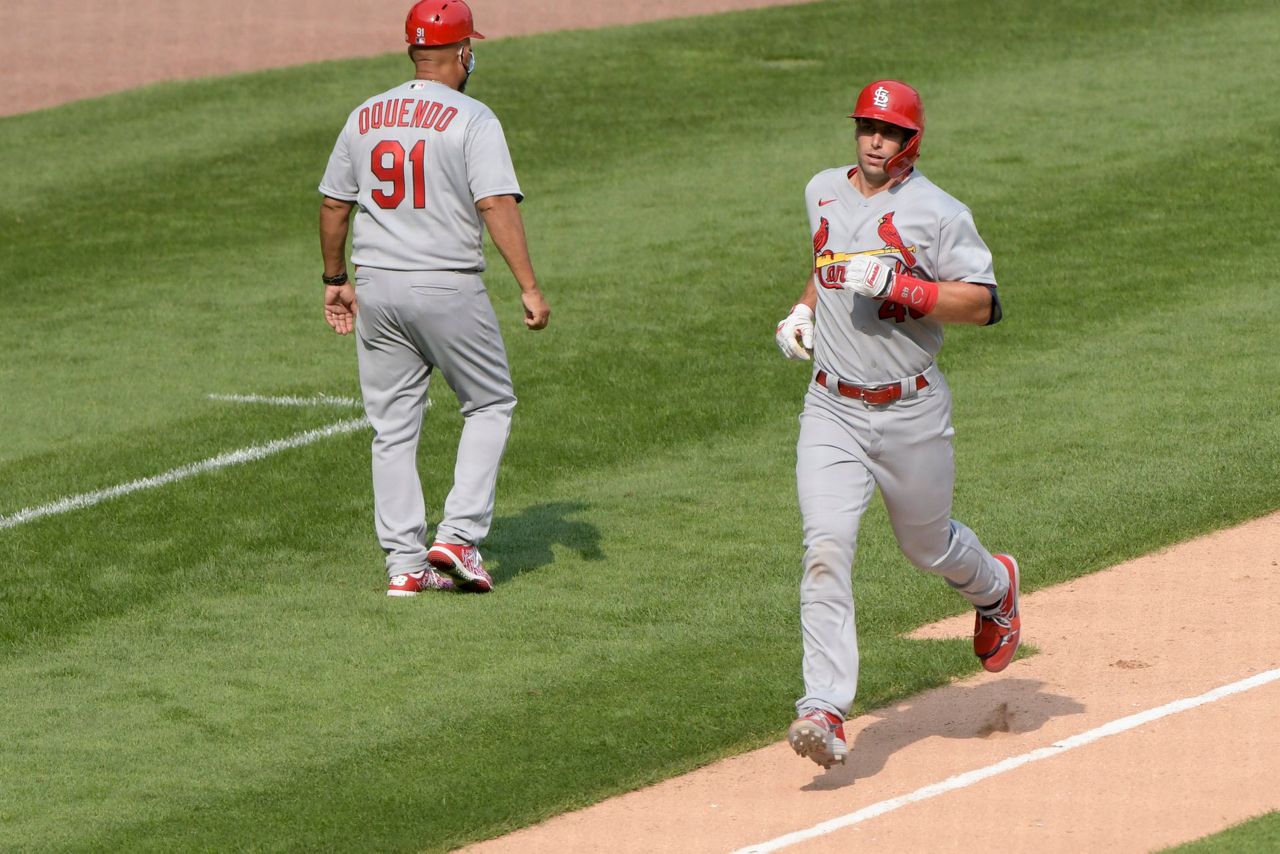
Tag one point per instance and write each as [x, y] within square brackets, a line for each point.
[233, 458]
[961, 781]
[315, 400]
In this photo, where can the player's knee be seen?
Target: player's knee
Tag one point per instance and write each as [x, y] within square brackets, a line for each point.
[827, 566]
[926, 555]
[498, 407]
[390, 437]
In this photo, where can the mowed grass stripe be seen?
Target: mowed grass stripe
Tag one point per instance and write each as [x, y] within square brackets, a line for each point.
[213, 665]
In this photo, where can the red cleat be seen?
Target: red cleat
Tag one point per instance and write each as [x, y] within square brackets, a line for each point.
[997, 631]
[413, 583]
[819, 736]
[463, 563]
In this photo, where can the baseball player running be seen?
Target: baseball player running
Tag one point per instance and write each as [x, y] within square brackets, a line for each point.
[895, 258]
[425, 169]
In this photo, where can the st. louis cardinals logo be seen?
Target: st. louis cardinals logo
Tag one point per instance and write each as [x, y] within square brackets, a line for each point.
[880, 97]
[830, 266]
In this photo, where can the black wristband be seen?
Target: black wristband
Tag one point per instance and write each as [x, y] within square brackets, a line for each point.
[340, 279]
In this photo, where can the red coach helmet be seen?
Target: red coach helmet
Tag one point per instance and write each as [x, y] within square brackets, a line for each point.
[898, 104]
[437, 22]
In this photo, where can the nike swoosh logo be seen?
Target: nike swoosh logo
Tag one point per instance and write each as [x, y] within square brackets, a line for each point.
[824, 202]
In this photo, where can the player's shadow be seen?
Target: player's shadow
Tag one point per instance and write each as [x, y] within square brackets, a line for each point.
[991, 710]
[524, 542]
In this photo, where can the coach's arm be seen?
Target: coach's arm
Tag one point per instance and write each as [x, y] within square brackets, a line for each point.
[502, 218]
[339, 300]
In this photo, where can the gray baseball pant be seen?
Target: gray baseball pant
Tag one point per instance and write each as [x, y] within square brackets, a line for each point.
[408, 324]
[845, 450]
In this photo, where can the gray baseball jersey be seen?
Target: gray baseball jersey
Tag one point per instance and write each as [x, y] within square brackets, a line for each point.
[918, 228]
[416, 159]
[847, 448]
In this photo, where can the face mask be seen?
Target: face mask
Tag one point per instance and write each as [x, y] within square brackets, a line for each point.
[471, 66]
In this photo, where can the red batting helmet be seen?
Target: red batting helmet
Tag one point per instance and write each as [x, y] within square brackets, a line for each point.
[437, 22]
[898, 104]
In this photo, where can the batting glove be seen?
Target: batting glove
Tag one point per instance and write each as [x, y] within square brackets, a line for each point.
[795, 333]
[868, 277]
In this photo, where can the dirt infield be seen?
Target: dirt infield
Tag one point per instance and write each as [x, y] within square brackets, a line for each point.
[120, 45]
[1165, 628]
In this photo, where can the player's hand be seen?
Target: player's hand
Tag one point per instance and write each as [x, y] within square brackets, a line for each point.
[795, 333]
[340, 307]
[536, 311]
[868, 277]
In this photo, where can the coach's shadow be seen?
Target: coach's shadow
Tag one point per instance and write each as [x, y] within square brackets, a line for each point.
[524, 542]
[991, 710]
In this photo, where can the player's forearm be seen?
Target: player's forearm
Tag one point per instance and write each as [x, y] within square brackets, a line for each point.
[810, 295]
[502, 218]
[962, 302]
[335, 217]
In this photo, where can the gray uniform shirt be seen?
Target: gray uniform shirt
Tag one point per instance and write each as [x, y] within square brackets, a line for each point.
[915, 227]
[416, 159]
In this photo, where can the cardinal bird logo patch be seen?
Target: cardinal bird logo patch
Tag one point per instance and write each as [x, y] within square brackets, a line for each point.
[820, 236]
[889, 234]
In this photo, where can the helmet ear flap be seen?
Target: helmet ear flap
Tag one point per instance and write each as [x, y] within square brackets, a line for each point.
[901, 163]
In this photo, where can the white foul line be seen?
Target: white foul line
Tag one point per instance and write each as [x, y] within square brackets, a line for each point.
[232, 458]
[321, 399]
[961, 781]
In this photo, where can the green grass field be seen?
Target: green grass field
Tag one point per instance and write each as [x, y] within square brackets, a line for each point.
[1260, 835]
[213, 664]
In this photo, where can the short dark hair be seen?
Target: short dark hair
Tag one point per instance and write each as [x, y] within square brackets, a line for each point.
[421, 51]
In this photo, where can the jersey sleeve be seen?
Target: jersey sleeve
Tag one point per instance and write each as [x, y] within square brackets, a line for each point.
[964, 256]
[489, 168]
[811, 192]
[339, 179]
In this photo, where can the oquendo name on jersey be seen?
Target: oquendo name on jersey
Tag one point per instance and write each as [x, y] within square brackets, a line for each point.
[405, 113]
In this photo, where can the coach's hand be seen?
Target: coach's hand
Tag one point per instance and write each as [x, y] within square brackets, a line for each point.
[536, 311]
[795, 333]
[340, 307]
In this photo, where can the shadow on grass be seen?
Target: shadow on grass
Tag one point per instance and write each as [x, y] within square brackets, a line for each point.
[990, 710]
[524, 542]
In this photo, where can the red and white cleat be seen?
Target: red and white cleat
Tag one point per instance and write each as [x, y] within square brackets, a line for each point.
[998, 631]
[463, 564]
[413, 583]
[819, 736]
